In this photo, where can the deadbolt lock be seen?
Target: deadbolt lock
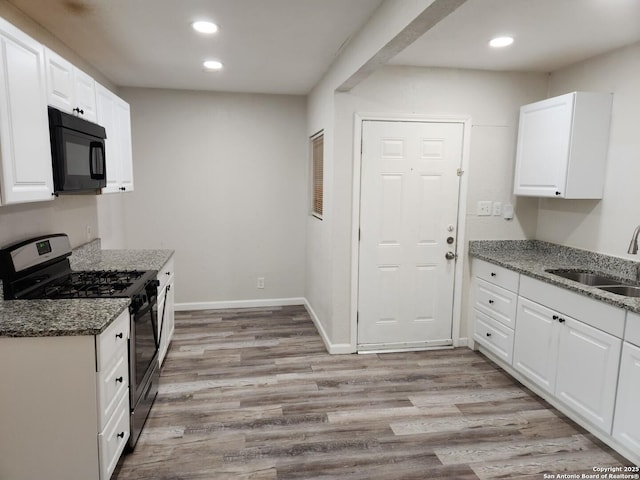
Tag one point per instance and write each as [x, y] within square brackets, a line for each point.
[450, 240]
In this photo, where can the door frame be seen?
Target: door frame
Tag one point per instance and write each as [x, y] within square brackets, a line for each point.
[361, 117]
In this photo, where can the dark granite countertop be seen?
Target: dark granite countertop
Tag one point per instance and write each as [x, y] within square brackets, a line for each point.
[52, 318]
[533, 257]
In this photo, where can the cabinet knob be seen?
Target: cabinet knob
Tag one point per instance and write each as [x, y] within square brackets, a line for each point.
[491, 302]
[122, 188]
[558, 194]
[55, 194]
[120, 435]
[488, 334]
[561, 320]
[79, 111]
[555, 317]
[119, 335]
[119, 379]
[167, 273]
[493, 274]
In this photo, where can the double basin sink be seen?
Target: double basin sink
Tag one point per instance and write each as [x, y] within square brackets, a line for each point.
[602, 281]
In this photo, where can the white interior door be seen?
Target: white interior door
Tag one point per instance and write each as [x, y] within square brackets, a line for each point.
[408, 222]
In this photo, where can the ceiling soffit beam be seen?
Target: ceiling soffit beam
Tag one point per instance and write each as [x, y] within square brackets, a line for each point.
[424, 22]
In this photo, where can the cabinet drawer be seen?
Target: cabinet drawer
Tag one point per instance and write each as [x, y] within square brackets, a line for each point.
[494, 336]
[165, 274]
[113, 380]
[109, 342]
[500, 276]
[498, 303]
[593, 312]
[113, 439]
[632, 331]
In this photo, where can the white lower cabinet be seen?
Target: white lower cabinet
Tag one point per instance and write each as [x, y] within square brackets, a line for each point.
[626, 427]
[166, 313]
[494, 312]
[536, 344]
[64, 405]
[569, 346]
[575, 362]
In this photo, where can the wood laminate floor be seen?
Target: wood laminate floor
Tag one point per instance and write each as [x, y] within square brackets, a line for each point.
[252, 394]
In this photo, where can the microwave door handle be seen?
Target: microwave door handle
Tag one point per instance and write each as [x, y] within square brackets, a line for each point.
[97, 160]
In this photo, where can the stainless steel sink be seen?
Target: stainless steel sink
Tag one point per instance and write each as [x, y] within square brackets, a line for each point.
[599, 280]
[593, 279]
[626, 290]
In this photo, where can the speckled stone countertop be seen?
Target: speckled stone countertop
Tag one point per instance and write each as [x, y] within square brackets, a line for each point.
[52, 318]
[533, 257]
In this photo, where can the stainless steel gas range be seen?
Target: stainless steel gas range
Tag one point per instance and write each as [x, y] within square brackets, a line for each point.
[39, 268]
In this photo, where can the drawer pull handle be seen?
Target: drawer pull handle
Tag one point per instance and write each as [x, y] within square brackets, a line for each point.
[493, 274]
[488, 334]
[119, 335]
[120, 435]
[490, 301]
[119, 379]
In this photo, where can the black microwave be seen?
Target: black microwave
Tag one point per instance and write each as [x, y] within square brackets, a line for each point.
[77, 153]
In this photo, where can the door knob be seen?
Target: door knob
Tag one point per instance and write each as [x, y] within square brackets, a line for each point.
[450, 255]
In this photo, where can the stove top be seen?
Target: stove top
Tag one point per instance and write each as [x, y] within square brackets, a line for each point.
[93, 284]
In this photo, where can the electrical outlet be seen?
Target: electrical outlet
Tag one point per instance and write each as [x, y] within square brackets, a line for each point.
[484, 208]
[497, 209]
[260, 283]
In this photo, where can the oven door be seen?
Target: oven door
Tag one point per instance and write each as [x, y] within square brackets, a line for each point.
[78, 161]
[144, 373]
[143, 342]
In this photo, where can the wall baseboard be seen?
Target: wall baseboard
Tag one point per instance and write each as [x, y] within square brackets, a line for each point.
[261, 302]
[332, 348]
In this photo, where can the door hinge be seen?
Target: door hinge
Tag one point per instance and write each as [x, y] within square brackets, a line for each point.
[359, 233]
[459, 172]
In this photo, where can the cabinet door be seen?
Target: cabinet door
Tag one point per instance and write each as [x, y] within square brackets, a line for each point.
[626, 427]
[106, 118]
[24, 126]
[123, 119]
[59, 81]
[114, 115]
[535, 350]
[85, 94]
[542, 154]
[588, 371]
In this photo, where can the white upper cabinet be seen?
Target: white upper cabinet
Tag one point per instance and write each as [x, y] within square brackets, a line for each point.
[562, 146]
[114, 116]
[69, 88]
[25, 163]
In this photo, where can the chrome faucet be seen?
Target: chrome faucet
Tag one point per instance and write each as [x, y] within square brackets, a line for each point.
[633, 246]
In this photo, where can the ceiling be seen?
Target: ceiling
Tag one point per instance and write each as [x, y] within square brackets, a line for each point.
[285, 46]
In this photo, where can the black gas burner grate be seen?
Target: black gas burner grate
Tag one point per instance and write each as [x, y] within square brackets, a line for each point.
[92, 284]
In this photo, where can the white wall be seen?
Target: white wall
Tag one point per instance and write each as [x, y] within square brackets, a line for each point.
[605, 225]
[220, 178]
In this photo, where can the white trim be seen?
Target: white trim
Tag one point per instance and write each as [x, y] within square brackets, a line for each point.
[266, 302]
[332, 348]
[462, 211]
[464, 342]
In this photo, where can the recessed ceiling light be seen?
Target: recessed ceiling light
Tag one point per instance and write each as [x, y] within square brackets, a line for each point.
[212, 65]
[205, 27]
[498, 42]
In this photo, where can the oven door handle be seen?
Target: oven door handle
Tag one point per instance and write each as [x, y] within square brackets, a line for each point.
[164, 309]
